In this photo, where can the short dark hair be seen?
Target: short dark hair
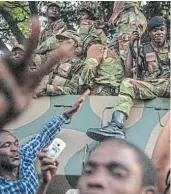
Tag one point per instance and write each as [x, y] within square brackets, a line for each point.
[149, 171]
[5, 131]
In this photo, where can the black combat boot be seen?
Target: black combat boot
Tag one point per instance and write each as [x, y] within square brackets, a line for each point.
[113, 129]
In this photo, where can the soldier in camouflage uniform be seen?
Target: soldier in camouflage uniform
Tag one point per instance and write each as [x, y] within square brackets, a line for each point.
[104, 77]
[86, 18]
[63, 79]
[104, 70]
[35, 62]
[127, 17]
[154, 83]
[54, 25]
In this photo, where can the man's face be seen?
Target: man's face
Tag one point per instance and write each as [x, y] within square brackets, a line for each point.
[158, 34]
[67, 47]
[9, 151]
[83, 16]
[112, 168]
[53, 12]
[17, 56]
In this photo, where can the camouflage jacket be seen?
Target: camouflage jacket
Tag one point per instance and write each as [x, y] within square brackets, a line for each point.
[90, 35]
[47, 40]
[65, 76]
[157, 63]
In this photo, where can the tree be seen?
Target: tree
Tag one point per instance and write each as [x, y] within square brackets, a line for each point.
[14, 15]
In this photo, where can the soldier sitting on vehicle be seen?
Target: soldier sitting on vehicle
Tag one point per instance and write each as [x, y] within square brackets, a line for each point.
[154, 81]
[127, 18]
[64, 77]
[54, 25]
[104, 70]
[17, 54]
[86, 18]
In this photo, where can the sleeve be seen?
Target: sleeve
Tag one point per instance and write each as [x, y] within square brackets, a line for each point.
[44, 138]
[89, 72]
[71, 86]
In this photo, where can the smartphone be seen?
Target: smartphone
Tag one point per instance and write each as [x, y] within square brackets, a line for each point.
[56, 148]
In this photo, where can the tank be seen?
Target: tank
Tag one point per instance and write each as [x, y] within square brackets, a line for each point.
[142, 128]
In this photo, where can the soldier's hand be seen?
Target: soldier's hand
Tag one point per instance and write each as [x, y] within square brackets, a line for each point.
[134, 36]
[96, 51]
[99, 24]
[48, 166]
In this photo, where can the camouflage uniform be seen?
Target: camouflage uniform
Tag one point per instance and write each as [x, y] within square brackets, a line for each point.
[89, 24]
[65, 75]
[130, 17]
[103, 78]
[47, 39]
[88, 36]
[154, 84]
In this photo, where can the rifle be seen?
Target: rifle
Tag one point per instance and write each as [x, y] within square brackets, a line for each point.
[137, 63]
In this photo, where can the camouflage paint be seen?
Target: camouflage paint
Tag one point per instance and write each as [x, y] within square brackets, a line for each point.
[144, 118]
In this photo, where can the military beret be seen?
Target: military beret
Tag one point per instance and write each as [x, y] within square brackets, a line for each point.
[53, 4]
[20, 46]
[70, 34]
[156, 22]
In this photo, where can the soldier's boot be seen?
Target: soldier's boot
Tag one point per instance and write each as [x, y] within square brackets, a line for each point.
[113, 129]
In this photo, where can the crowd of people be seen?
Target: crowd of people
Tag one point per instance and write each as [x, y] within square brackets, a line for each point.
[61, 61]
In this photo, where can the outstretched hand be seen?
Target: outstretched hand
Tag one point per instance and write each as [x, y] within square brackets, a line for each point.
[17, 87]
[77, 106]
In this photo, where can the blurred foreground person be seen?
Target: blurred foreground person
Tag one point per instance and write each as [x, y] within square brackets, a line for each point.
[118, 167]
[17, 171]
[161, 158]
[17, 86]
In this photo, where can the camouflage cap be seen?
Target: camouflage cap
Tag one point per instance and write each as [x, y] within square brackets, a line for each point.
[88, 10]
[156, 22]
[53, 4]
[20, 46]
[70, 34]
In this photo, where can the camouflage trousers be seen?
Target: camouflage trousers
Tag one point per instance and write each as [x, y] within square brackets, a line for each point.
[104, 90]
[133, 89]
[129, 20]
[104, 77]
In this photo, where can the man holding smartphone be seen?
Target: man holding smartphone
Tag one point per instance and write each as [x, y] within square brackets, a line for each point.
[17, 171]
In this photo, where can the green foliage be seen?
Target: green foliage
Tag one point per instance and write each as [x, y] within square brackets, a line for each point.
[69, 13]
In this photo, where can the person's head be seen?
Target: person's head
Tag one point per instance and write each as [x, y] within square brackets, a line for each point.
[9, 151]
[53, 11]
[85, 14]
[17, 54]
[157, 29]
[117, 167]
[68, 42]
